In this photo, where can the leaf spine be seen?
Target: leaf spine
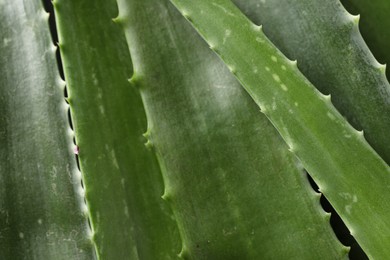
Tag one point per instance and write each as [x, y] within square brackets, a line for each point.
[360, 133]
[184, 252]
[263, 109]
[118, 20]
[317, 195]
[166, 196]
[327, 216]
[54, 3]
[293, 62]
[232, 69]
[327, 98]
[146, 134]
[45, 15]
[355, 19]
[149, 144]
[291, 149]
[53, 48]
[186, 15]
[257, 28]
[134, 80]
[382, 67]
[61, 83]
[84, 209]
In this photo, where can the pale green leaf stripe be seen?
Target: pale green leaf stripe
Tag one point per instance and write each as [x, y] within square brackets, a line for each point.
[236, 191]
[350, 174]
[41, 214]
[122, 178]
[331, 53]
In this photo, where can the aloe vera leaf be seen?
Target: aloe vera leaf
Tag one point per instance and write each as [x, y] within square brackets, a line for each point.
[374, 25]
[41, 213]
[122, 178]
[331, 53]
[350, 174]
[235, 189]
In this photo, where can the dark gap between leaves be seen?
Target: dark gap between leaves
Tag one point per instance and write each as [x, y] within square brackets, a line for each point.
[53, 31]
[338, 226]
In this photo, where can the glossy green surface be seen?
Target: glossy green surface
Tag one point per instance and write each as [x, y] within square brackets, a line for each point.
[122, 178]
[331, 53]
[348, 171]
[236, 191]
[374, 25]
[41, 213]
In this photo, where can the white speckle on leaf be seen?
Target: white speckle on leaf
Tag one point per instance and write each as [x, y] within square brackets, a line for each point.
[54, 188]
[267, 69]
[101, 109]
[114, 161]
[226, 11]
[276, 77]
[345, 195]
[21, 235]
[258, 39]
[283, 67]
[40, 221]
[284, 87]
[227, 35]
[273, 58]
[296, 104]
[126, 211]
[99, 93]
[94, 79]
[6, 41]
[331, 116]
[53, 173]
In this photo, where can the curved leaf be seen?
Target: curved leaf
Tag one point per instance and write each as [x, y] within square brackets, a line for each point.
[41, 214]
[331, 53]
[236, 191]
[348, 171]
[122, 178]
[374, 25]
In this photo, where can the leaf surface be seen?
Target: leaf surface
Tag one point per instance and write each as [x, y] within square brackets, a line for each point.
[236, 191]
[349, 173]
[122, 178]
[41, 214]
[374, 25]
[332, 54]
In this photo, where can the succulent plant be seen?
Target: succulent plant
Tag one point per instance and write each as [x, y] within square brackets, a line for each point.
[134, 140]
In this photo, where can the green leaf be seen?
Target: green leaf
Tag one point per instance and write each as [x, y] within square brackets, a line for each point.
[122, 178]
[41, 213]
[331, 53]
[236, 191]
[374, 25]
[350, 174]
